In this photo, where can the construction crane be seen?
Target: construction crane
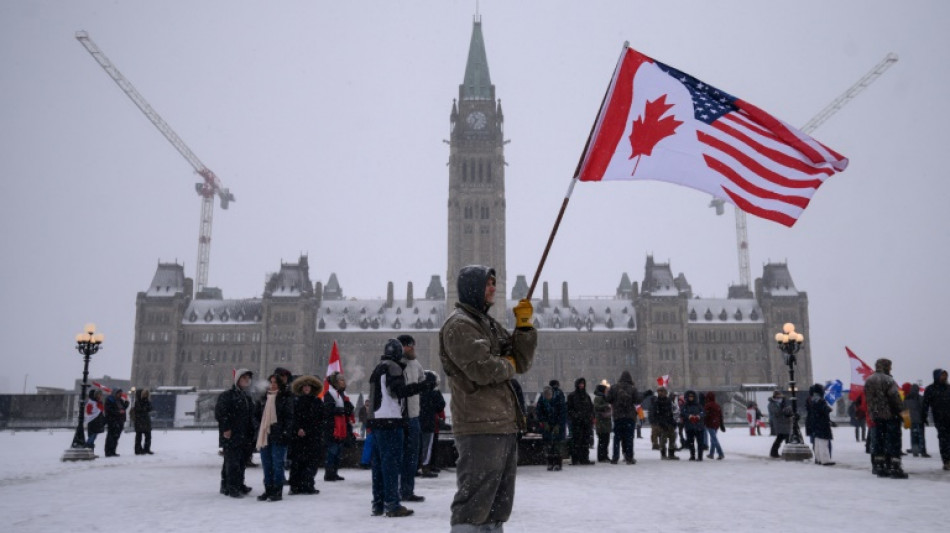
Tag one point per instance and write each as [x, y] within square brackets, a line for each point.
[207, 189]
[742, 234]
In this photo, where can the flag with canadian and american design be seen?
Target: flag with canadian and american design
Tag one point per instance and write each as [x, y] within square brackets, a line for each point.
[658, 123]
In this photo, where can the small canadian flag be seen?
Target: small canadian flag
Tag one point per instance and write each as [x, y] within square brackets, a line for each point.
[663, 381]
[335, 365]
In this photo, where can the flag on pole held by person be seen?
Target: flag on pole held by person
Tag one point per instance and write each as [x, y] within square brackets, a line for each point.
[658, 123]
[663, 381]
[860, 371]
[833, 391]
[333, 366]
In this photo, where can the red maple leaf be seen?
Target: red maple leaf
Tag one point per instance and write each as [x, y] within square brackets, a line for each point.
[650, 128]
[865, 371]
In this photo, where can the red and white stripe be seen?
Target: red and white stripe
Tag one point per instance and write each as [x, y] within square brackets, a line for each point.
[747, 157]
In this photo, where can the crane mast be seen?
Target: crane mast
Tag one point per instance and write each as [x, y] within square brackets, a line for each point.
[210, 187]
[742, 234]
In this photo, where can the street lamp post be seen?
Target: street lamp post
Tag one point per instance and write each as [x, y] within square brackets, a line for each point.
[87, 343]
[790, 342]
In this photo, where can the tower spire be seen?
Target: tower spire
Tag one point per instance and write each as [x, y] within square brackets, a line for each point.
[477, 82]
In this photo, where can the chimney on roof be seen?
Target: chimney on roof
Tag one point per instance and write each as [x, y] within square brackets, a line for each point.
[409, 299]
[565, 300]
[389, 294]
[545, 303]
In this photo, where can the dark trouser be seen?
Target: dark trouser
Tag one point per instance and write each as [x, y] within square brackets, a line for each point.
[303, 467]
[623, 434]
[143, 441]
[112, 438]
[410, 459]
[485, 477]
[387, 455]
[232, 470]
[860, 431]
[694, 441]
[887, 441]
[779, 439]
[580, 442]
[943, 440]
[665, 439]
[603, 445]
[334, 451]
[918, 442]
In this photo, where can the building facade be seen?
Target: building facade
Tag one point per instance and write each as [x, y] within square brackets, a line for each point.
[651, 327]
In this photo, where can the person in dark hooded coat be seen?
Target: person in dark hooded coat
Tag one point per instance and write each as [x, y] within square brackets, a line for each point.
[480, 357]
[694, 425]
[623, 398]
[580, 414]
[818, 424]
[937, 400]
[307, 437]
[234, 412]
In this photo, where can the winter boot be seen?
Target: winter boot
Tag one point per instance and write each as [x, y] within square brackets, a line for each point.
[262, 497]
[276, 494]
[663, 454]
[672, 456]
[878, 466]
[894, 469]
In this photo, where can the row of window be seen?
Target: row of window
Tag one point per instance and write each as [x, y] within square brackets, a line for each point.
[476, 170]
[469, 212]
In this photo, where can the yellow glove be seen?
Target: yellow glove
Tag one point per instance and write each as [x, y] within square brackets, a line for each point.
[523, 312]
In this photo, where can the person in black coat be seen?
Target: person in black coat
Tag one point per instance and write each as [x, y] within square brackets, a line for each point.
[235, 415]
[274, 435]
[937, 400]
[580, 412]
[818, 424]
[307, 439]
[430, 405]
[142, 420]
[115, 420]
[663, 422]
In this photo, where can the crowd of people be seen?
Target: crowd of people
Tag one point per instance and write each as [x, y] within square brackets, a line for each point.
[110, 414]
[304, 421]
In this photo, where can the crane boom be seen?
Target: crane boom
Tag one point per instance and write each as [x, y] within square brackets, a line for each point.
[742, 236]
[207, 189]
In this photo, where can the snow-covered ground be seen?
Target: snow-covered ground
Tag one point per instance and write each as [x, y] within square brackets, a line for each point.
[177, 490]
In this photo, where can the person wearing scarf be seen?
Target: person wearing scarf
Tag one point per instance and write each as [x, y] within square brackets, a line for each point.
[338, 411]
[277, 419]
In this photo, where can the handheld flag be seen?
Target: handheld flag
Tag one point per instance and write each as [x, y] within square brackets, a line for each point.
[658, 123]
[860, 371]
[833, 391]
[333, 366]
[663, 381]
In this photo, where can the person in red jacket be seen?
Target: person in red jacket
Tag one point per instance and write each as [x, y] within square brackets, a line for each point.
[714, 423]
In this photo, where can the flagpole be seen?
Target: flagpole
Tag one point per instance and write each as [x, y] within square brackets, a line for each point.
[577, 171]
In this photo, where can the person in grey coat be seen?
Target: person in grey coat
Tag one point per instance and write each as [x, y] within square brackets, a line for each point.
[780, 417]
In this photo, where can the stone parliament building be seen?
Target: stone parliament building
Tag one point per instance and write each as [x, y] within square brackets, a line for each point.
[651, 327]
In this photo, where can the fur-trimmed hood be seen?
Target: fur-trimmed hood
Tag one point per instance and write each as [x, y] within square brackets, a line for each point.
[316, 387]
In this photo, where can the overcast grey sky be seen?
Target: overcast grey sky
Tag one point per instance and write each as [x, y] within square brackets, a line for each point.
[326, 120]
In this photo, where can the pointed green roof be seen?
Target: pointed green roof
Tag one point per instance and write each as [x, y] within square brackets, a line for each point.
[477, 83]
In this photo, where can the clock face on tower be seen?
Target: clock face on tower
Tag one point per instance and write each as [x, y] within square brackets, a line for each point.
[476, 120]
